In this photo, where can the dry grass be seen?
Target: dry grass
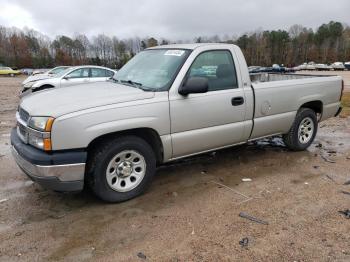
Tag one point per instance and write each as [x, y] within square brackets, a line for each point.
[346, 104]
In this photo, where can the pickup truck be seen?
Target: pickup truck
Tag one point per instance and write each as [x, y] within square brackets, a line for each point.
[167, 103]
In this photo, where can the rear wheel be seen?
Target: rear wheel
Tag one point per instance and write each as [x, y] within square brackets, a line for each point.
[12, 75]
[303, 130]
[121, 168]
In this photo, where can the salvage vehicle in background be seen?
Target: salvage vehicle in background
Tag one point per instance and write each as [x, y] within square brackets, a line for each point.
[8, 71]
[69, 77]
[50, 73]
[323, 67]
[112, 135]
[347, 65]
[338, 66]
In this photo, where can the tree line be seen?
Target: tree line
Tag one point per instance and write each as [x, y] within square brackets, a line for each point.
[31, 49]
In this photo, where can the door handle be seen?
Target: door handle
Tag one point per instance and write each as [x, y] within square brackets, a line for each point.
[238, 100]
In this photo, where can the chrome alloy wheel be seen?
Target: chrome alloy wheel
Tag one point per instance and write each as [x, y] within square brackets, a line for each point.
[306, 130]
[125, 171]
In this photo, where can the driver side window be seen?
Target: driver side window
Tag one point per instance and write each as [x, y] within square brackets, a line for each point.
[218, 67]
[79, 73]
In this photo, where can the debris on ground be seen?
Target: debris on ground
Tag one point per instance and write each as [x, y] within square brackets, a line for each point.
[19, 233]
[316, 167]
[345, 192]
[306, 183]
[347, 183]
[246, 179]
[3, 200]
[203, 172]
[254, 219]
[229, 188]
[346, 213]
[327, 159]
[330, 178]
[244, 242]
[141, 255]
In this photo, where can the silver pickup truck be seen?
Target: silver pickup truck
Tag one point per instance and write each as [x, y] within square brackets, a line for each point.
[166, 103]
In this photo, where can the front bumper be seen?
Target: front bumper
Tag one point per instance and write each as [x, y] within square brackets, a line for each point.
[61, 171]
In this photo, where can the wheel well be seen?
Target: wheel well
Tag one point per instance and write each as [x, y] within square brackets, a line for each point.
[317, 106]
[43, 87]
[148, 134]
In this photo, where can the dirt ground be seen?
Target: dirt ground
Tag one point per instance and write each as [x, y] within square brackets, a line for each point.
[191, 212]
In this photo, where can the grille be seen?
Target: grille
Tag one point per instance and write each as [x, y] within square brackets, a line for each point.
[24, 115]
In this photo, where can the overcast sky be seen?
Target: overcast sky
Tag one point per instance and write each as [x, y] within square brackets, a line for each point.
[173, 19]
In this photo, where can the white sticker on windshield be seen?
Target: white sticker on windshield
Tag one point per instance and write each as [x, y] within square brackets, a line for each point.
[175, 52]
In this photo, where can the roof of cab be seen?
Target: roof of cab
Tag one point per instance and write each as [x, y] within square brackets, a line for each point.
[186, 46]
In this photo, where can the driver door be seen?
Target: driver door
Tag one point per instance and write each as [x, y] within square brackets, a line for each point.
[76, 77]
[202, 122]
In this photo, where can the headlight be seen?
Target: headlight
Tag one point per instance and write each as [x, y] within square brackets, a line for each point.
[40, 137]
[29, 84]
[41, 123]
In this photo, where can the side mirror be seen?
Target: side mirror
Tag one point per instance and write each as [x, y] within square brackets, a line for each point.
[194, 85]
[66, 77]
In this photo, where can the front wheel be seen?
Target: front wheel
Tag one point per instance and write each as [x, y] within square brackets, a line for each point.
[303, 131]
[121, 168]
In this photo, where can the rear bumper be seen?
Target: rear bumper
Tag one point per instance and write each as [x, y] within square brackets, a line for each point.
[62, 171]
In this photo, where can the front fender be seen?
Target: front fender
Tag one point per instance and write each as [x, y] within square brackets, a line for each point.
[77, 130]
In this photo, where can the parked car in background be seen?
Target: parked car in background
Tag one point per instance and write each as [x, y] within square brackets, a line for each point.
[323, 67]
[27, 71]
[8, 71]
[347, 65]
[311, 66]
[300, 67]
[50, 73]
[338, 66]
[157, 109]
[278, 68]
[39, 71]
[69, 77]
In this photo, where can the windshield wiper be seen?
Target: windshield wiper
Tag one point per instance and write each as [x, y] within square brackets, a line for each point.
[133, 83]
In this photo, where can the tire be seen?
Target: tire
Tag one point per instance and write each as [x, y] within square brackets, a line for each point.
[107, 183]
[298, 140]
[12, 75]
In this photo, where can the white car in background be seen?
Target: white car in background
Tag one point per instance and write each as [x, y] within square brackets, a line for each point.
[323, 67]
[69, 77]
[338, 66]
[311, 66]
[50, 73]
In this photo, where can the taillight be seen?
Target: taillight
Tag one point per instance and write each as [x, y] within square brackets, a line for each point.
[342, 89]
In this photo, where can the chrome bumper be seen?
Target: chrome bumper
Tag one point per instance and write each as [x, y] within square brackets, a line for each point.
[64, 173]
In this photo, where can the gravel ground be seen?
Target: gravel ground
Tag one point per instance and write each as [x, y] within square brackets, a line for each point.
[191, 212]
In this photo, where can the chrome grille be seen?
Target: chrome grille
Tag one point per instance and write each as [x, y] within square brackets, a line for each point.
[24, 115]
[22, 132]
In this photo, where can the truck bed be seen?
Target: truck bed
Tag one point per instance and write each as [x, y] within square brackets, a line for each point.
[279, 96]
[270, 77]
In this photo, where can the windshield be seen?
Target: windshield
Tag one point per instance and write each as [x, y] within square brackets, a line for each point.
[152, 69]
[57, 70]
[63, 72]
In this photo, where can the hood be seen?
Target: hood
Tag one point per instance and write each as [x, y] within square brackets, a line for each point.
[60, 101]
[36, 78]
